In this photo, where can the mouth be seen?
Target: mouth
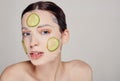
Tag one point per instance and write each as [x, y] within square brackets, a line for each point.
[36, 54]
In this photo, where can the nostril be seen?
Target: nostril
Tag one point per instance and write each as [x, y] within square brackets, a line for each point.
[31, 46]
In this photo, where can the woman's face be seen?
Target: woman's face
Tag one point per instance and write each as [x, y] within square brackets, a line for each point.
[42, 39]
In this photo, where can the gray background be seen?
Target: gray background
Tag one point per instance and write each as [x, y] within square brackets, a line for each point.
[95, 34]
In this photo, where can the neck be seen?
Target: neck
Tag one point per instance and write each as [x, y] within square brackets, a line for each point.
[49, 71]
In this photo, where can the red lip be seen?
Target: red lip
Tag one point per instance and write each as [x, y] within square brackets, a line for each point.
[36, 54]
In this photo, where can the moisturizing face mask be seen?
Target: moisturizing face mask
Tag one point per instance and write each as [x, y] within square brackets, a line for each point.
[24, 46]
[52, 44]
[33, 20]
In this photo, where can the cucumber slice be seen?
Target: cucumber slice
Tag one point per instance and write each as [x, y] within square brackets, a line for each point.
[33, 20]
[53, 44]
[25, 49]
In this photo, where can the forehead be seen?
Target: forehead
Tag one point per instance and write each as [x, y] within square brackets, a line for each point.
[45, 17]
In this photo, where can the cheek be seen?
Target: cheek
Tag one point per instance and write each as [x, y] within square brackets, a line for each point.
[24, 46]
[52, 44]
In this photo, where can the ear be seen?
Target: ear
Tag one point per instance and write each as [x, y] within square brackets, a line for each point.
[65, 36]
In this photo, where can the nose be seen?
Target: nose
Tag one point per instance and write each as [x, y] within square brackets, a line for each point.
[33, 42]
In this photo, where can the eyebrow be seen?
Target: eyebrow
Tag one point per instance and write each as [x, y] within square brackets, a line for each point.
[43, 25]
[24, 28]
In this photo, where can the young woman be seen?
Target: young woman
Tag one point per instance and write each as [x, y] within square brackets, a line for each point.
[44, 32]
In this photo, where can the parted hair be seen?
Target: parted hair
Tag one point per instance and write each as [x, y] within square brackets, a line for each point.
[50, 7]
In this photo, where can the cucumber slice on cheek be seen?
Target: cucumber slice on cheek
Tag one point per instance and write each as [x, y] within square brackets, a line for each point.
[33, 20]
[52, 44]
[25, 49]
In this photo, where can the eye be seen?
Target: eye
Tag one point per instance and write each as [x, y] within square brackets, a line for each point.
[25, 34]
[45, 32]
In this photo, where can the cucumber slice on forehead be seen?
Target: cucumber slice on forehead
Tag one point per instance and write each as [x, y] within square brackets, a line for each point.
[52, 44]
[33, 20]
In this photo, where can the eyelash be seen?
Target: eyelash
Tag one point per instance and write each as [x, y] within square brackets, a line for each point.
[42, 32]
[25, 34]
[45, 32]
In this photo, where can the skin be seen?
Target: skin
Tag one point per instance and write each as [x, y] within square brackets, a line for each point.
[49, 67]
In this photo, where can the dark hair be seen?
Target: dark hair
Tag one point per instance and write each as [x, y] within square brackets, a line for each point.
[52, 8]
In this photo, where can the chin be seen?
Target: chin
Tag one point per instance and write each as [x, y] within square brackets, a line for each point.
[45, 60]
[40, 62]
[37, 63]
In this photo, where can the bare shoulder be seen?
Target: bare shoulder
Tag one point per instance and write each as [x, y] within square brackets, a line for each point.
[14, 72]
[80, 65]
[80, 70]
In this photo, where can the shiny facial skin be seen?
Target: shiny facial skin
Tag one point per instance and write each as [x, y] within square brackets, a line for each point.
[36, 38]
[33, 20]
[52, 44]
